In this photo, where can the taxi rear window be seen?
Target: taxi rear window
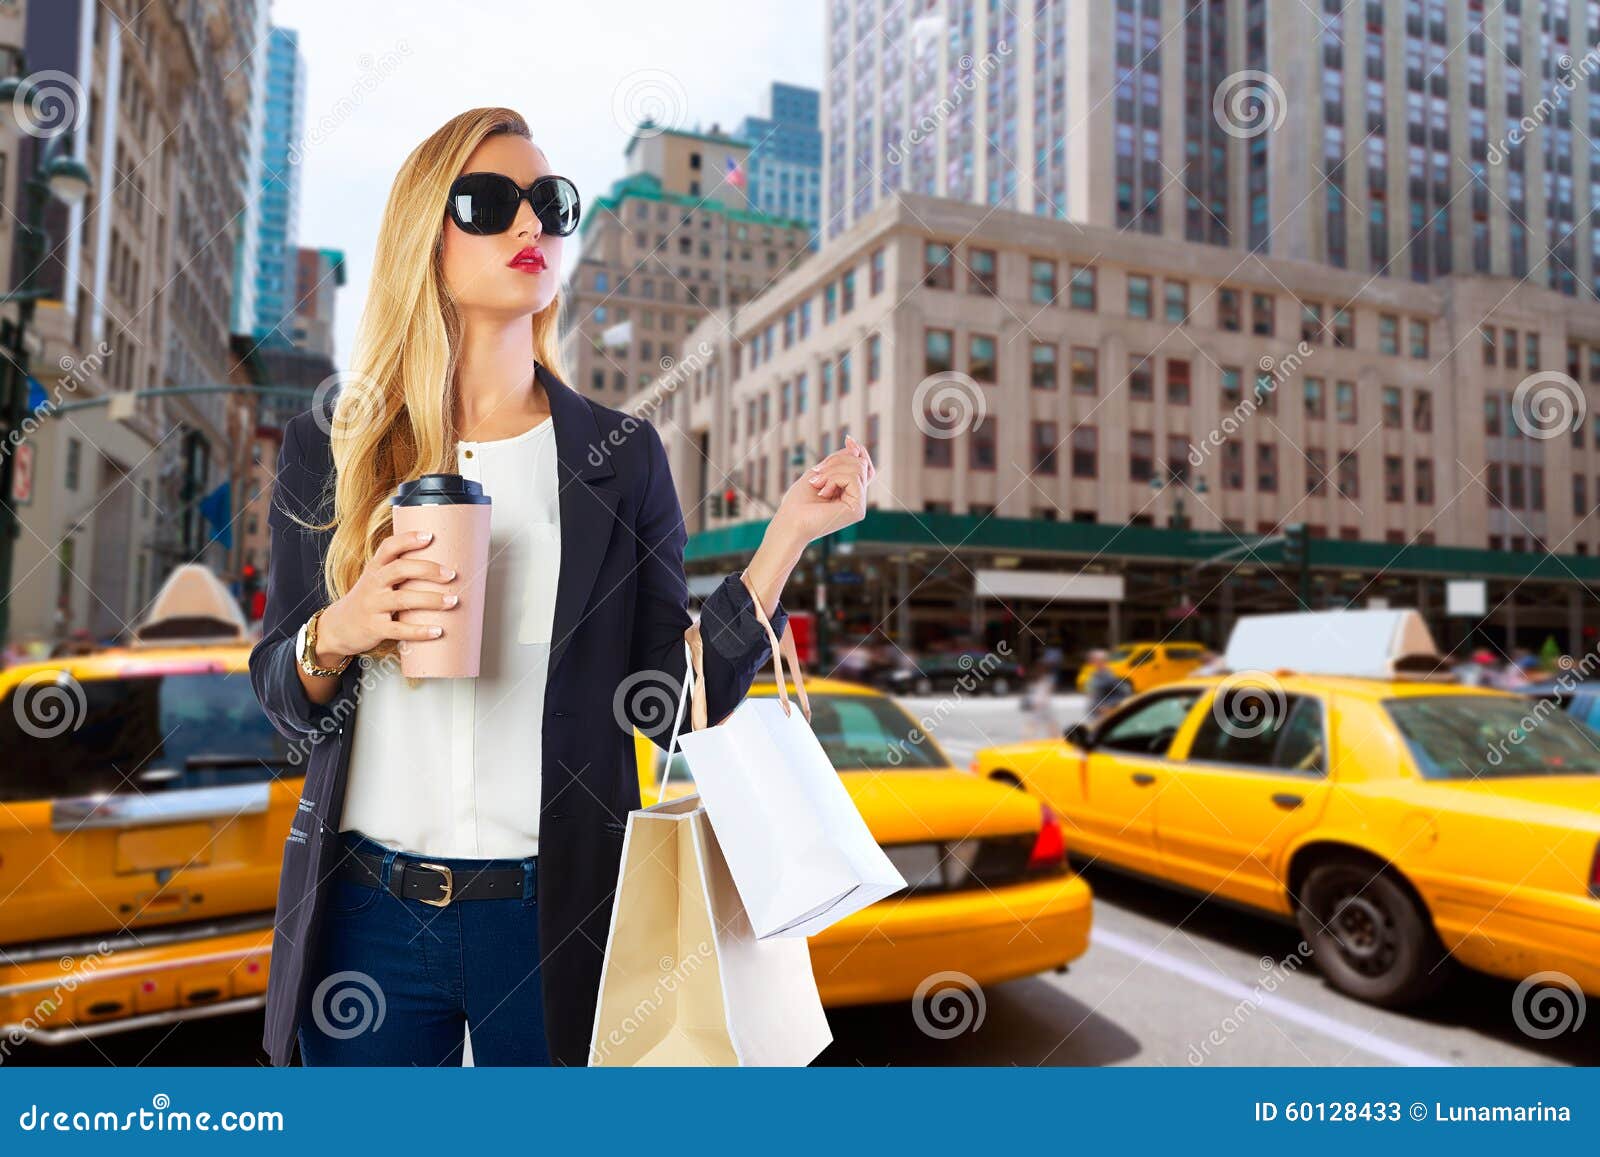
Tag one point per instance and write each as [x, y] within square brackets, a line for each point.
[149, 732]
[1480, 736]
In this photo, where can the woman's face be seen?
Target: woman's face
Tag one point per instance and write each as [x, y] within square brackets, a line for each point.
[483, 273]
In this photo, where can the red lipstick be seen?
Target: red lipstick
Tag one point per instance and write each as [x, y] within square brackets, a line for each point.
[530, 260]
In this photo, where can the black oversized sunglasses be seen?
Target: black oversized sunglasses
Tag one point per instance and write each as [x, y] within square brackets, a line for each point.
[486, 203]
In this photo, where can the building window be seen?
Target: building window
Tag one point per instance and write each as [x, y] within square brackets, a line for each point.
[1085, 370]
[1138, 295]
[981, 445]
[1424, 480]
[939, 269]
[1350, 475]
[1141, 456]
[1262, 321]
[847, 291]
[1394, 478]
[1388, 334]
[1344, 329]
[1233, 465]
[1177, 381]
[1393, 414]
[1177, 302]
[1042, 281]
[1045, 438]
[1141, 378]
[74, 465]
[1316, 400]
[982, 264]
[1083, 288]
[1230, 311]
[1487, 340]
[1580, 495]
[1344, 401]
[1422, 411]
[980, 358]
[1311, 322]
[874, 359]
[1267, 468]
[1044, 371]
[1419, 338]
[1493, 425]
[875, 272]
[938, 355]
[1085, 452]
[936, 446]
[1316, 470]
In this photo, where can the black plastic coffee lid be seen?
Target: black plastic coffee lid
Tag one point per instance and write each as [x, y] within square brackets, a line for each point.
[440, 490]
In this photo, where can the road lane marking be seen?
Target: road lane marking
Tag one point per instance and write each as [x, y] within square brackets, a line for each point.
[1270, 1003]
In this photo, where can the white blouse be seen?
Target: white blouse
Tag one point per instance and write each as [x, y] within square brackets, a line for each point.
[450, 767]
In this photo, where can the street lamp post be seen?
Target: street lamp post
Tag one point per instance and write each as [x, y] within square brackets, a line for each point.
[62, 176]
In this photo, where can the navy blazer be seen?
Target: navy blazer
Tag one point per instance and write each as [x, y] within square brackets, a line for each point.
[621, 610]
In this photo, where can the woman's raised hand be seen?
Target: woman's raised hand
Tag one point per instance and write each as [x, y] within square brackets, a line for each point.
[363, 617]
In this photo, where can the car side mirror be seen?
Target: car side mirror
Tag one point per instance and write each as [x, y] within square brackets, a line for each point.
[1079, 735]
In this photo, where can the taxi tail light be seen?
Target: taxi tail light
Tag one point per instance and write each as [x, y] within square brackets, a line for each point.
[1050, 848]
[1594, 874]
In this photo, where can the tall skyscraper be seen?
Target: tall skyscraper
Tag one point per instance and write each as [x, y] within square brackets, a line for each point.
[786, 154]
[1411, 139]
[245, 258]
[277, 251]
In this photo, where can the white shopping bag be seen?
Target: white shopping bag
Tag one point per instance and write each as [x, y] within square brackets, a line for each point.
[799, 851]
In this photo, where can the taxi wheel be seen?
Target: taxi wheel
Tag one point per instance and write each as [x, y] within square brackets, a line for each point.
[1370, 936]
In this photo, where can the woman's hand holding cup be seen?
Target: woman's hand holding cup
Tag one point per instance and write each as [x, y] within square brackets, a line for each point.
[364, 616]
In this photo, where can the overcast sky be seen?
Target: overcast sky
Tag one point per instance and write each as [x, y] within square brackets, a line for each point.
[383, 74]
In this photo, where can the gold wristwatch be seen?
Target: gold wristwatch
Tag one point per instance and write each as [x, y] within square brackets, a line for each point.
[308, 650]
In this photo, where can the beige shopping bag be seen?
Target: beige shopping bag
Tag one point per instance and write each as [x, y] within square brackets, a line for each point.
[685, 981]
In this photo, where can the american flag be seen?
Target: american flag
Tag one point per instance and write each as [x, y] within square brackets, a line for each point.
[735, 175]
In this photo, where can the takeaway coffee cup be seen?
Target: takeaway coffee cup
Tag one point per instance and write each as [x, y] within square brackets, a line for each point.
[456, 510]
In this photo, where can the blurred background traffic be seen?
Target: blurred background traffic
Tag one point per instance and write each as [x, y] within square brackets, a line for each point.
[1154, 316]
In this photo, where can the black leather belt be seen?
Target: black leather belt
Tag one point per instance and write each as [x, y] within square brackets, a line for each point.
[431, 883]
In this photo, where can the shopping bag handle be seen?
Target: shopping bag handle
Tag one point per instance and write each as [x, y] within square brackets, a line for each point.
[693, 691]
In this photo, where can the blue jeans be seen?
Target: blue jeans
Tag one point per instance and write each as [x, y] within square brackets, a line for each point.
[394, 981]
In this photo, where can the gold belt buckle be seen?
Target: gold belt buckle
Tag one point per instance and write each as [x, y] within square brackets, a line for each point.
[449, 885]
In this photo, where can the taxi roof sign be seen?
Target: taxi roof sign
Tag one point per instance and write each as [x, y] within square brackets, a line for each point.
[1376, 644]
[192, 606]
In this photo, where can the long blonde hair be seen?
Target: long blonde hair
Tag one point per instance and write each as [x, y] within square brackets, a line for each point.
[394, 418]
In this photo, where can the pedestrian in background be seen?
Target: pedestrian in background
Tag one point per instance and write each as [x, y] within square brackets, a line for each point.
[1105, 688]
[1039, 719]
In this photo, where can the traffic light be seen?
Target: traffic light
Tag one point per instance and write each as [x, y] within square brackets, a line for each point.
[716, 506]
[730, 502]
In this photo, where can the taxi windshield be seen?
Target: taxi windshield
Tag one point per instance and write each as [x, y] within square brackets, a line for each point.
[1123, 653]
[1473, 737]
[136, 733]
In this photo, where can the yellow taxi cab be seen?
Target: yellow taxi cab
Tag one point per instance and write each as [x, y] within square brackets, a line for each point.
[144, 801]
[1147, 665]
[989, 891]
[1399, 820]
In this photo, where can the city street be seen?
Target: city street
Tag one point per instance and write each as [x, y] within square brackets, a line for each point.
[1168, 980]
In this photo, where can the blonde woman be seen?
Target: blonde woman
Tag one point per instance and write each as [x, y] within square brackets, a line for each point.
[457, 843]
